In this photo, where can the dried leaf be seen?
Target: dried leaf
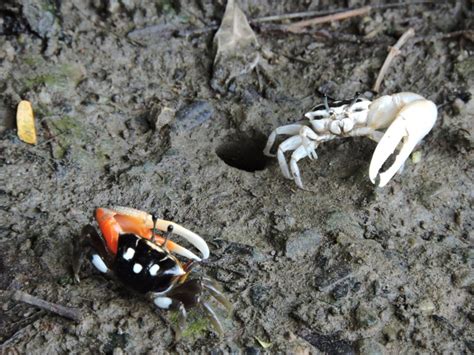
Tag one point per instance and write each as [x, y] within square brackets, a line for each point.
[25, 122]
[262, 343]
[236, 48]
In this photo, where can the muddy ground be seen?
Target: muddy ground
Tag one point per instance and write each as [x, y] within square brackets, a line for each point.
[342, 267]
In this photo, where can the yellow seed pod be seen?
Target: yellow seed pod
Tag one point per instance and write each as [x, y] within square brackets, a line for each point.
[25, 122]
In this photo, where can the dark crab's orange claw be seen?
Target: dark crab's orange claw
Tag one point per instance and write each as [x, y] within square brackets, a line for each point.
[119, 220]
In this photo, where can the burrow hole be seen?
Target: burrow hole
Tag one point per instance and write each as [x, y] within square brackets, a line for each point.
[243, 151]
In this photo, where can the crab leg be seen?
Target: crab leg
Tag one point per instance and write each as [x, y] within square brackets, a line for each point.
[288, 144]
[217, 294]
[291, 129]
[211, 315]
[297, 155]
[306, 134]
[412, 123]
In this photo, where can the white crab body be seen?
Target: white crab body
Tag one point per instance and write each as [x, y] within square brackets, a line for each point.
[404, 116]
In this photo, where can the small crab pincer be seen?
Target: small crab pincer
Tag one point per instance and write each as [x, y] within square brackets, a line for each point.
[135, 249]
[406, 118]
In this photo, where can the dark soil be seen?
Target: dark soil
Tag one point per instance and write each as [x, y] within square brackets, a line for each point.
[342, 267]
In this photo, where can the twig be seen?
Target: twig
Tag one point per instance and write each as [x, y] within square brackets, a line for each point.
[394, 51]
[332, 15]
[297, 26]
[67, 312]
[294, 15]
[469, 34]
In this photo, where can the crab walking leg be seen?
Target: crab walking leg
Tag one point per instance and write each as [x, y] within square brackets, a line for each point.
[211, 315]
[191, 237]
[297, 155]
[306, 134]
[289, 144]
[217, 294]
[412, 123]
[164, 302]
[291, 130]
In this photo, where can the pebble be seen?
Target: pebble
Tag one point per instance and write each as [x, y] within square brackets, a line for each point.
[463, 277]
[365, 316]
[193, 115]
[39, 18]
[345, 223]
[370, 347]
[306, 243]
[426, 306]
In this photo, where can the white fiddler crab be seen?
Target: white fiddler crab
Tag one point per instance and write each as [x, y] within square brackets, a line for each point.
[406, 118]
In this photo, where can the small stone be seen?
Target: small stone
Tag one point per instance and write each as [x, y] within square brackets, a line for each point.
[7, 51]
[128, 4]
[345, 223]
[340, 291]
[463, 277]
[426, 306]
[370, 347]
[193, 115]
[306, 243]
[25, 245]
[164, 118]
[113, 6]
[390, 333]
[40, 18]
[365, 316]
[44, 97]
[458, 105]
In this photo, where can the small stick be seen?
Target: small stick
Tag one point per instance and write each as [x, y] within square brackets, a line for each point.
[298, 26]
[465, 33]
[67, 312]
[294, 15]
[394, 51]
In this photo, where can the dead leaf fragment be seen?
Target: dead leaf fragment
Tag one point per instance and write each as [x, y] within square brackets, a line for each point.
[262, 343]
[25, 122]
[236, 48]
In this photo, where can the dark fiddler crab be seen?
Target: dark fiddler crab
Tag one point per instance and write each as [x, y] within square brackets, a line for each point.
[135, 249]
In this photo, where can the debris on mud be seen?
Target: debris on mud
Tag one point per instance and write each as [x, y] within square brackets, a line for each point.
[236, 47]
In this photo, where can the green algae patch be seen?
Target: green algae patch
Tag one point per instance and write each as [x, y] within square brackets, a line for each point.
[75, 139]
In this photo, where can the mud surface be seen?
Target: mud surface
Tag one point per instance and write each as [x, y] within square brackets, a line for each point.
[342, 267]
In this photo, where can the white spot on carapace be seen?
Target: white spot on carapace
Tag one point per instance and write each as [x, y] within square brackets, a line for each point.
[129, 254]
[137, 268]
[154, 269]
[99, 263]
[163, 302]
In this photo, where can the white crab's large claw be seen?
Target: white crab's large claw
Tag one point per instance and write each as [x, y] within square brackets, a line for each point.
[411, 124]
